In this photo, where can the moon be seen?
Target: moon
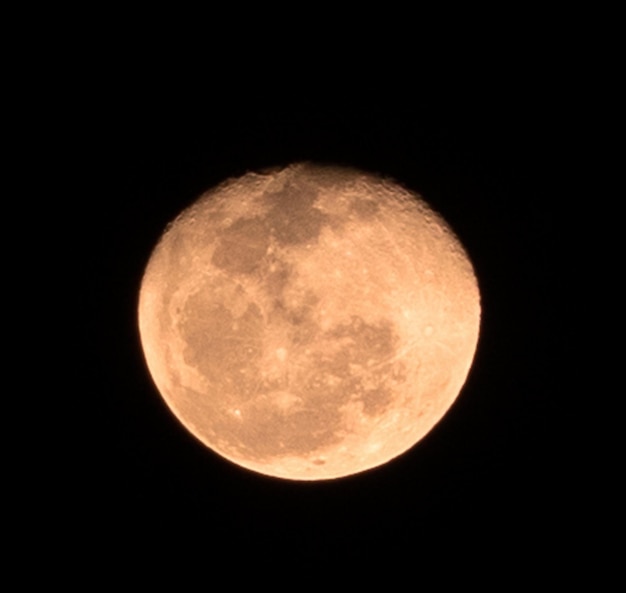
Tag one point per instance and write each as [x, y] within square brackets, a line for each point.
[309, 322]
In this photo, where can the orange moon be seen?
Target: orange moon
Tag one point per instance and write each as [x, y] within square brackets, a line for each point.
[310, 322]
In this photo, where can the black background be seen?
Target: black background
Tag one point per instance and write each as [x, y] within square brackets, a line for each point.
[489, 475]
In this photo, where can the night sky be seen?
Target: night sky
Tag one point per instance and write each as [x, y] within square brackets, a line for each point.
[492, 466]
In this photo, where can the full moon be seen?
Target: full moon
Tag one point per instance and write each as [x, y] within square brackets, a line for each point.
[309, 322]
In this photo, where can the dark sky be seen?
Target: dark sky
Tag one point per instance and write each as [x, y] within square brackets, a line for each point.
[493, 464]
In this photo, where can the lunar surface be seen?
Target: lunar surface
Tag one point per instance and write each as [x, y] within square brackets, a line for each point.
[310, 322]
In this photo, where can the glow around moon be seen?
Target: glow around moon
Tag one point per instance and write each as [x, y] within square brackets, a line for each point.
[309, 323]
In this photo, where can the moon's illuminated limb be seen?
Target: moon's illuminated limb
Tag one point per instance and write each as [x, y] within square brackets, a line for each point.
[309, 323]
